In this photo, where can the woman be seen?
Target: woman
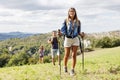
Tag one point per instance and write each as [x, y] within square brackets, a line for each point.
[71, 29]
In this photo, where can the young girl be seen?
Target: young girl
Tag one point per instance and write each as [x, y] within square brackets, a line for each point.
[41, 54]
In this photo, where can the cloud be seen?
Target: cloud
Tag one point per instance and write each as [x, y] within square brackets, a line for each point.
[5, 14]
[35, 5]
[18, 4]
[114, 7]
[45, 15]
[58, 4]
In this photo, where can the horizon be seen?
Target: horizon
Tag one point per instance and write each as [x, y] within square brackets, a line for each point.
[51, 31]
[44, 16]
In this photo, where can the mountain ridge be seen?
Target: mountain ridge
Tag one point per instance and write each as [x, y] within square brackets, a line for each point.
[4, 36]
[17, 34]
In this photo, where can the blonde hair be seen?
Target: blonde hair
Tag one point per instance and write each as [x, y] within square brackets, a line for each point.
[75, 17]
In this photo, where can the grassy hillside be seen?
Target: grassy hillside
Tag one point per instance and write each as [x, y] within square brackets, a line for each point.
[101, 64]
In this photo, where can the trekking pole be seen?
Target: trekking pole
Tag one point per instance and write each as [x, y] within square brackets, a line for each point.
[59, 58]
[81, 45]
[59, 51]
[82, 51]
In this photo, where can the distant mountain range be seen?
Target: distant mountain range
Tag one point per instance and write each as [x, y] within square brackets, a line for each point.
[4, 36]
[9, 35]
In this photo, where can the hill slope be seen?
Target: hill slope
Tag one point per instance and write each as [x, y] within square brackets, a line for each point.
[101, 64]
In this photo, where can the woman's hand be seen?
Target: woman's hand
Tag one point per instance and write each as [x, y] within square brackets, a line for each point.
[82, 34]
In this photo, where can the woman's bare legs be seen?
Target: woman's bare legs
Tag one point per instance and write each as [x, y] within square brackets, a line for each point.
[74, 54]
[66, 56]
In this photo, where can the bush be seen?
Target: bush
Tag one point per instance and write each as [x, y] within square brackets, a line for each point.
[32, 60]
[4, 58]
[105, 42]
[47, 59]
[116, 42]
[18, 59]
[94, 43]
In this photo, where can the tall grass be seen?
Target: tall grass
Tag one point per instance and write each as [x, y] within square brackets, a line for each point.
[101, 64]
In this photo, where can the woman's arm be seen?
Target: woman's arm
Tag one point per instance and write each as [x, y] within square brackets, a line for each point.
[64, 28]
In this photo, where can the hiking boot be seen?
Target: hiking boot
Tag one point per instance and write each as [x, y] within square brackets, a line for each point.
[72, 72]
[65, 69]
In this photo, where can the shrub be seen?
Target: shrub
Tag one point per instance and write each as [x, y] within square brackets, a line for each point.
[116, 42]
[32, 60]
[4, 58]
[47, 59]
[105, 42]
[18, 59]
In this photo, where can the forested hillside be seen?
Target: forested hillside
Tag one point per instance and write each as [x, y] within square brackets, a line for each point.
[20, 51]
[32, 42]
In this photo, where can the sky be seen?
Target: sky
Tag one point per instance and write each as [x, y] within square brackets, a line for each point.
[43, 16]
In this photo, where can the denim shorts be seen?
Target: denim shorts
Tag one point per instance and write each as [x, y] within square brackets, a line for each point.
[55, 52]
[68, 42]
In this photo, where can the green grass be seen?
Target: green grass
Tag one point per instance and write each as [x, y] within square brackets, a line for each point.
[103, 64]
